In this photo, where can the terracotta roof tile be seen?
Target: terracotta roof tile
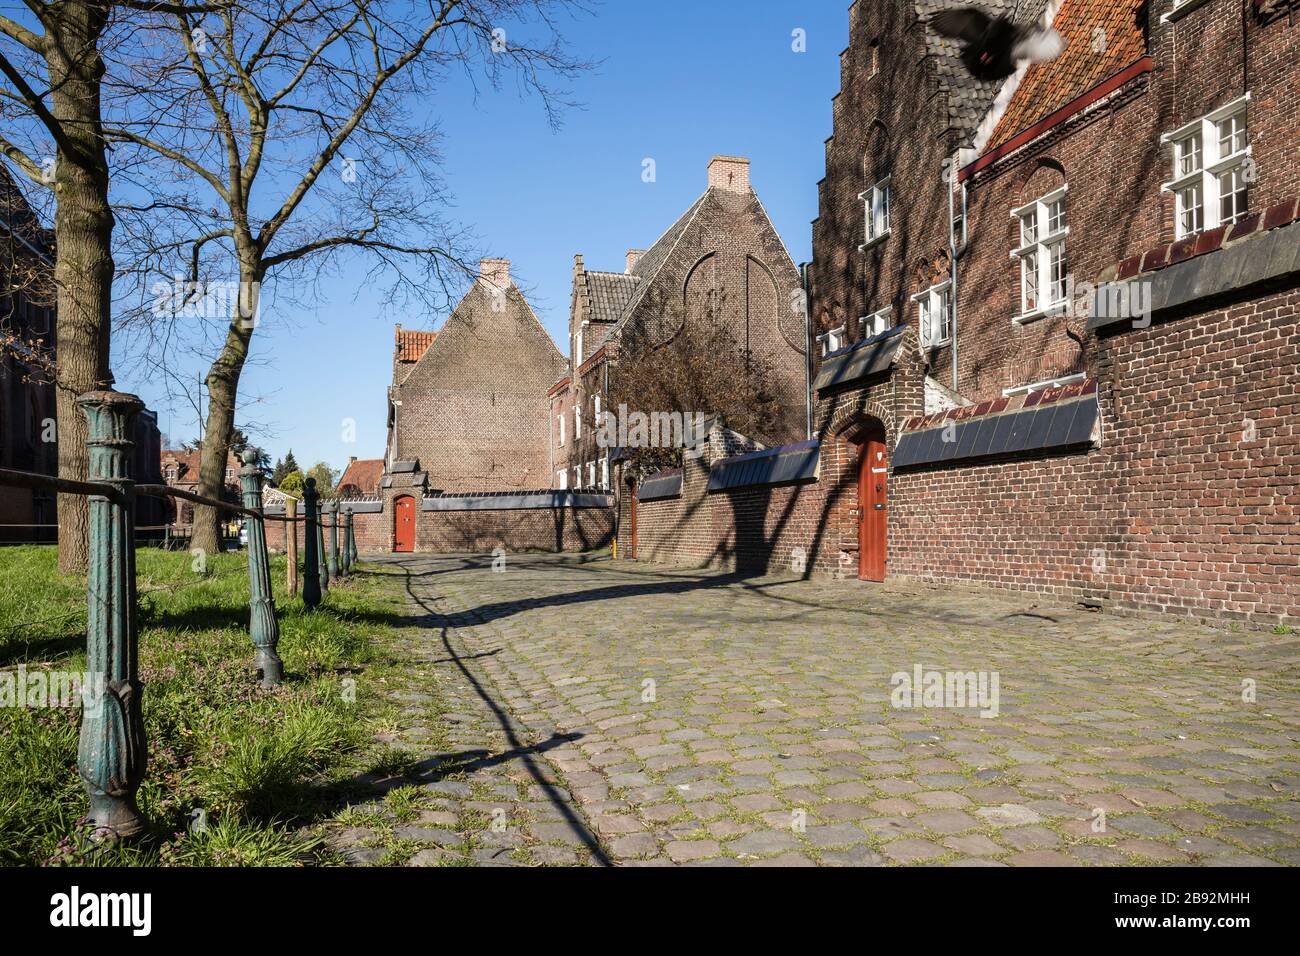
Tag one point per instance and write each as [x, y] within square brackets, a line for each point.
[411, 346]
[363, 474]
[1102, 37]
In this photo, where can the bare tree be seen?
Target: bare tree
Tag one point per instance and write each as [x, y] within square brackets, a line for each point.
[298, 134]
[52, 72]
[702, 369]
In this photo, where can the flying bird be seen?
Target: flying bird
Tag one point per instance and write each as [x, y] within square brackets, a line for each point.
[993, 47]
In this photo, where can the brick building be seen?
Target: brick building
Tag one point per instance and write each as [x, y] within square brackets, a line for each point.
[721, 261]
[1056, 318]
[469, 402]
[28, 433]
[180, 469]
[361, 478]
[26, 394]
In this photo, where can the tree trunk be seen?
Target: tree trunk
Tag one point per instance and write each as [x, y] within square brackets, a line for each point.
[223, 391]
[83, 270]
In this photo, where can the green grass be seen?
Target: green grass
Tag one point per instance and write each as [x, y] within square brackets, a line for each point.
[237, 773]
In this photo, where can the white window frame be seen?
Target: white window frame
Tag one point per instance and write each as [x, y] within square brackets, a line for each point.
[1034, 256]
[1212, 163]
[877, 322]
[577, 477]
[563, 475]
[1180, 9]
[560, 418]
[926, 304]
[577, 421]
[596, 400]
[1045, 383]
[831, 341]
[591, 474]
[604, 474]
[876, 203]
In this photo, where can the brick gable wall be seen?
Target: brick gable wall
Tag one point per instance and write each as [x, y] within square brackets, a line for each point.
[474, 408]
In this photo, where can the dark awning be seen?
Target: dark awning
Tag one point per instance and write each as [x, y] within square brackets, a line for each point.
[1035, 425]
[772, 466]
[665, 484]
[861, 360]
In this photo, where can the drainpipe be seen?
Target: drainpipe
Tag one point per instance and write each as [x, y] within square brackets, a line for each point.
[952, 268]
[807, 353]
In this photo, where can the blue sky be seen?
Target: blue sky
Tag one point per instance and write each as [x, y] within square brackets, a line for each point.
[679, 82]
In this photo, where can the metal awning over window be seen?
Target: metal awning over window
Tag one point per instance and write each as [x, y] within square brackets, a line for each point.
[1051, 419]
[861, 360]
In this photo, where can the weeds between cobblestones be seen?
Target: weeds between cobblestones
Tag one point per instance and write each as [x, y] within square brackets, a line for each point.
[767, 737]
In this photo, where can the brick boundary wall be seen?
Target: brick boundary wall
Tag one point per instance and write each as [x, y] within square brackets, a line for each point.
[515, 530]
[1177, 511]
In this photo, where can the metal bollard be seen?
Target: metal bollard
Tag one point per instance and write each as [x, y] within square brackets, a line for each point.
[311, 589]
[323, 565]
[113, 751]
[349, 543]
[334, 541]
[262, 625]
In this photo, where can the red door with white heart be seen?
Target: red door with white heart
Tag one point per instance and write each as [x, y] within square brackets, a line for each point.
[404, 519]
[873, 526]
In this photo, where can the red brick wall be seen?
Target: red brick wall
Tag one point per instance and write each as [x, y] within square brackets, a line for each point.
[442, 532]
[1175, 512]
[560, 529]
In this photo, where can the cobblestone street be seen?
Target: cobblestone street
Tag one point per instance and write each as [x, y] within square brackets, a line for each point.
[628, 713]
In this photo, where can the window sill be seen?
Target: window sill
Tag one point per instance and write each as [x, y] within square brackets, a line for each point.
[871, 244]
[1180, 11]
[1034, 315]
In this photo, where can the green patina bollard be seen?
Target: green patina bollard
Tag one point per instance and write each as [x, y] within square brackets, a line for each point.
[323, 571]
[341, 518]
[311, 590]
[334, 541]
[262, 625]
[349, 543]
[113, 751]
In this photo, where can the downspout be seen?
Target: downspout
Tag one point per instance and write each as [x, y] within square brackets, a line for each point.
[807, 353]
[952, 269]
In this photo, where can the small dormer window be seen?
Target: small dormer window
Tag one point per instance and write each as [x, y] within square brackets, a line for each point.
[831, 341]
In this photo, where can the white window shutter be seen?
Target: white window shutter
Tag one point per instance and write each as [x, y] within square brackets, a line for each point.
[927, 333]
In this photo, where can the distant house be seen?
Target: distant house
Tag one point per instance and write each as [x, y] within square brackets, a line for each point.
[469, 403]
[361, 478]
[722, 261]
[180, 469]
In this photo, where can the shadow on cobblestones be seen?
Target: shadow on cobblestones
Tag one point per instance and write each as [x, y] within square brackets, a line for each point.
[521, 752]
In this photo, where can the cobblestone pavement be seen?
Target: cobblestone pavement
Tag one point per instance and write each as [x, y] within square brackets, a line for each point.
[630, 713]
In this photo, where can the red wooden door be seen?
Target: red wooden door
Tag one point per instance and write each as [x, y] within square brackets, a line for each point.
[873, 527]
[404, 517]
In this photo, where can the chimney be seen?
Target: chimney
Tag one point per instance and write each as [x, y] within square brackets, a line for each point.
[633, 257]
[730, 173]
[351, 459]
[495, 271]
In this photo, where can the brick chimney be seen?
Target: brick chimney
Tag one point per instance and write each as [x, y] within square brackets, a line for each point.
[633, 257]
[730, 173]
[496, 272]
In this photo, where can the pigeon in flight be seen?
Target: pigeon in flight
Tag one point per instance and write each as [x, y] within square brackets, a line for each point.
[992, 47]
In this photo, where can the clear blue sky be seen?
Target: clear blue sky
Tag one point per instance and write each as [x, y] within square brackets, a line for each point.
[680, 82]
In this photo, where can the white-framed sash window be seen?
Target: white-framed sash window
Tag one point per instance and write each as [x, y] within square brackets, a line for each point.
[1212, 169]
[934, 315]
[1044, 267]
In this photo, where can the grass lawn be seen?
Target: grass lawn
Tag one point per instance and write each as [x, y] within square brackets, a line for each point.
[237, 775]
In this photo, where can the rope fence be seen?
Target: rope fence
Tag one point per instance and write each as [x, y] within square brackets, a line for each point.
[111, 755]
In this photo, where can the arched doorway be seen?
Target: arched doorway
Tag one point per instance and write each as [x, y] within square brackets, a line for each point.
[873, 514]
[404, 525]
